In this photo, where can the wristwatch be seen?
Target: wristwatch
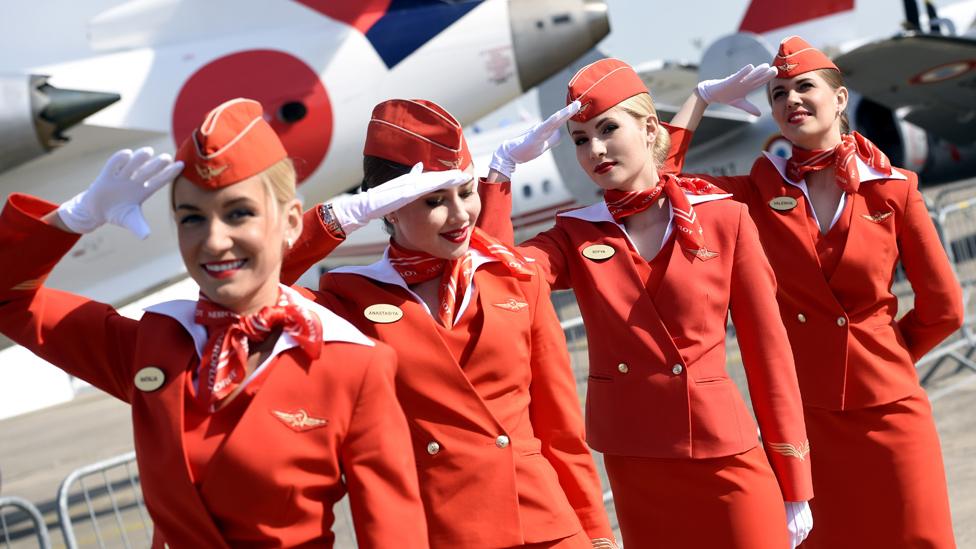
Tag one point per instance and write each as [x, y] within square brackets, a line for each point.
[330, 221]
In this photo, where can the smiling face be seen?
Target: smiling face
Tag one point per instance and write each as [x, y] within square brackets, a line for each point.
[808, 110]
[439, 223]
[232, 240]
[615, 149]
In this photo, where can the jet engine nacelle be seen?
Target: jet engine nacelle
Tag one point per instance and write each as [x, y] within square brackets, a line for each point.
[33, 114]
[909, 146]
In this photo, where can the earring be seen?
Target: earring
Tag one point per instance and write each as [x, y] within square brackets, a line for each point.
[290, 242]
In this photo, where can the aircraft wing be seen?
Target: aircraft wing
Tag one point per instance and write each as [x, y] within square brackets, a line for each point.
[670, 85]
[932, 77]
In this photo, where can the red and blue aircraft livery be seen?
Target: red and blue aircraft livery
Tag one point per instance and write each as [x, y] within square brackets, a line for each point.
[395, 28]
[295, 100]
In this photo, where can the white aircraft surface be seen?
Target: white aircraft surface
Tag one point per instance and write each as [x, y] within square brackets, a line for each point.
[144, 72]
[318, 66]
[727, 142]
[913, 92]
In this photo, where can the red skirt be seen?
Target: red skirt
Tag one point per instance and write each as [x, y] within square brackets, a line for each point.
[878, 478]
[731, 502]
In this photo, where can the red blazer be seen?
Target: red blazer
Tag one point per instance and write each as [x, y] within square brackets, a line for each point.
[850, 351]
[270, 484]
[497, 435]
[658, 386]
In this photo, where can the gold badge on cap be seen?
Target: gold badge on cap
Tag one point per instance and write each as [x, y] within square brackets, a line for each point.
[383, 313]
[598, 252]
[453, 164]
[782, 203]
[149, 379]
[208, 172]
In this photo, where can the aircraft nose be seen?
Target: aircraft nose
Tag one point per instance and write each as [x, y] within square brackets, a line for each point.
[549, 34]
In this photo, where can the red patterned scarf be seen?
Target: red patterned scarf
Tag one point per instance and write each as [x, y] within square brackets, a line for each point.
[842, 158]
[626, 203]
[416, 267]
[224, 362]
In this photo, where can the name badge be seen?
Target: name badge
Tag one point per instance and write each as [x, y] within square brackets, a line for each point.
[149, 379]
[782, 203]
[383, 313]
[598, 252]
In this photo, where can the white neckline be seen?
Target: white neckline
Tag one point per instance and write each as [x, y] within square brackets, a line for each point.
[334, 327]
[383, 271]
[600, 212]
[865, 173]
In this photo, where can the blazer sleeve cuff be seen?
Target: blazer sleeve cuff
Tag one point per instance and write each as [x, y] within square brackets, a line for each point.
[29, 247]
[791, 464]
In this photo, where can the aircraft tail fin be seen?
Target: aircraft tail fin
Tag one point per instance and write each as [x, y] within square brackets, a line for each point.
[763, 16]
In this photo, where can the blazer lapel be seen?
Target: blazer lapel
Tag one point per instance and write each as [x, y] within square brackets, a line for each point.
[432, 364]
[644, 314]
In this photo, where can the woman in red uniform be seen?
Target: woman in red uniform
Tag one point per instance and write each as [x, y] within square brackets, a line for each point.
[254, 409]
[656, 267]
[835, 219]
[484, 377]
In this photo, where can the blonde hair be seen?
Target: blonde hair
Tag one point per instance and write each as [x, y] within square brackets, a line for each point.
[279, 182]
[641, 107]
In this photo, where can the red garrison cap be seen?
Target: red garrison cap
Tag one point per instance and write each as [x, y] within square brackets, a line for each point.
[408, 131]
[601, 85]
[796, 56]
[233, 143]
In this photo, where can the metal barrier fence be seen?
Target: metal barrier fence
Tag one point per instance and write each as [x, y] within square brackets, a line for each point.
[953, 210]
[14, 513]
[108, 502]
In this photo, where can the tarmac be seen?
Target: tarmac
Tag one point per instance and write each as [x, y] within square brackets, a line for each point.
[39, 449]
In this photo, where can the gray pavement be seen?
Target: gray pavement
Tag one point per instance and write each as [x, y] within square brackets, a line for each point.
[39, 449]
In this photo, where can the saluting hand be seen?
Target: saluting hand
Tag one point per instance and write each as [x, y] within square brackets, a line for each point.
[732, 90]
[117, 194]
[531, 144]
[353, 211]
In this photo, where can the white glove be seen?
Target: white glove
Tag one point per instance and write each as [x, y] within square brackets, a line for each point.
[117, 194]
[732, 90]
[353, 211]
[531, 144]
[799, 521]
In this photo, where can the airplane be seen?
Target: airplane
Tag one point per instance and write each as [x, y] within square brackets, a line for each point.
[727, 141]
[150, 70]
[913, 92]
[144, 72]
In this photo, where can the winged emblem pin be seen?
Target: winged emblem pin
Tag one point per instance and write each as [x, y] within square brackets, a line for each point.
[703, 254]
[512, 305]
[877, 217]
[300, 420]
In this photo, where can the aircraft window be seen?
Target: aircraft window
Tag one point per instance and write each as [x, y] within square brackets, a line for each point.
[546, 186]
[526, 191]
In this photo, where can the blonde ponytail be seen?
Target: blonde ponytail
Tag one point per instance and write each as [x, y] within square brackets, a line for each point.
[641, 107]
